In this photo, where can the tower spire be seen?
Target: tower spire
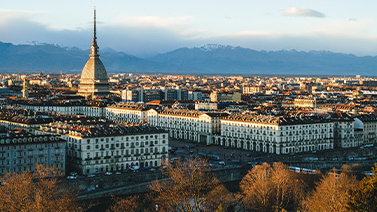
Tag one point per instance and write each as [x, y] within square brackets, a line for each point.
[94, 47]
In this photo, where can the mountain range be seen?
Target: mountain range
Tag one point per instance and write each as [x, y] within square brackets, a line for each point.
[210, 59]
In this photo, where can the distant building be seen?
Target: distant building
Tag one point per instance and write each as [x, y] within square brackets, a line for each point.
[308, 102]
[152, 94]
[218, 96]
[368, 124]
[94, 80]
[127, 112]
[345, 133]
[211, 106]
[25, 91]
[252, 89]
[133, 95]
[147, 95]
[195, 95]
[88, 108]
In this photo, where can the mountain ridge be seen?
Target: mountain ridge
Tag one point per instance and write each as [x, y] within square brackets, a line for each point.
[213, 59]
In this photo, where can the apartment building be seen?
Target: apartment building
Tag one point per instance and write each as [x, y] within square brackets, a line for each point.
[277, 135]
[187, 124]
[20, 151]
[101, 147]
[127, 112]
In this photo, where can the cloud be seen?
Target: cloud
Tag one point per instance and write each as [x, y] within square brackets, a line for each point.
[154, 21]
[148, 35]
[10, 15]
[304, 11]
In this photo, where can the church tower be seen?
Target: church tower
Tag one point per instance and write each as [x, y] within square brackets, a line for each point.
[94, 81]
[25, 91]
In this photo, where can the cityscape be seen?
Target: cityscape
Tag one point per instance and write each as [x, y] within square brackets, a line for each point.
[92, 140]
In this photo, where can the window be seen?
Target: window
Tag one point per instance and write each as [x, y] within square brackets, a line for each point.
[88, 147]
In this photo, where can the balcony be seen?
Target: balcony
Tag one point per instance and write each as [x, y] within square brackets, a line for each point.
[107, 157]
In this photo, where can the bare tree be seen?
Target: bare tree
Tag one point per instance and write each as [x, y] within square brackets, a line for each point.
[219, 198]
[36, 192]
[129, 204]
[187, 185]
[331, 194]
[267, 188]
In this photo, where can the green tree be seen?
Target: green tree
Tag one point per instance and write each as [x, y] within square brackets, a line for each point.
[364, 196]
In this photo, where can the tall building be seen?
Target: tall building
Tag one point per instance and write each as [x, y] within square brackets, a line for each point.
[94, 80]
[25, 92]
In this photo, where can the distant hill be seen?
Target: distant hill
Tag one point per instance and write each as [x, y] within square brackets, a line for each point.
[208, 59]
[228, 59]
[54, 58]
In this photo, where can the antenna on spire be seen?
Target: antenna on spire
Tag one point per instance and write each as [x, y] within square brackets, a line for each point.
[94, 47]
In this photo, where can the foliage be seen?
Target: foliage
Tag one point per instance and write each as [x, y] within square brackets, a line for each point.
[364, 196]
[186, 187]
[217, 198]
[267, 188]
[130, 204]
[331, 194]
[37, 192]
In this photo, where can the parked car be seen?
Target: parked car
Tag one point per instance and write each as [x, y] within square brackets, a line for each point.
[91, 175]
[71, 177]
[108, 173]
[73, 173]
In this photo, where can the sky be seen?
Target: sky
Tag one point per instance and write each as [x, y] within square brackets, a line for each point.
[147, 27]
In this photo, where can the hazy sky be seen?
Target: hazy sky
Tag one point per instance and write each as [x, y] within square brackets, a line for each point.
[144, 27]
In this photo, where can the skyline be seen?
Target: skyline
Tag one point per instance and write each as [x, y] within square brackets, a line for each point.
[146, 28]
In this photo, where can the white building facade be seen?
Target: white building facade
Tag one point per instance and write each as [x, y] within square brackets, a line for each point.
[22, 153]
[276, 135]
[115, 149]
[187, 124]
